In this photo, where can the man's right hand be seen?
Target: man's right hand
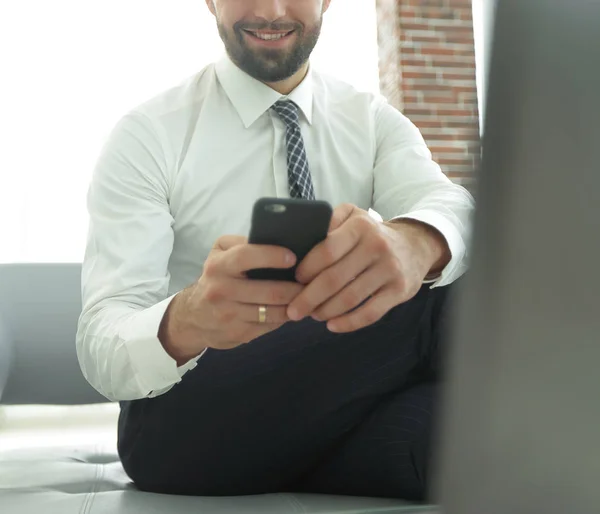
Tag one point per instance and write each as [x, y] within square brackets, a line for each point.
[221, 310]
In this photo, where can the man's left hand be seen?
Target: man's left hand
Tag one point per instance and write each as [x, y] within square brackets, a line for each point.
[363, 259]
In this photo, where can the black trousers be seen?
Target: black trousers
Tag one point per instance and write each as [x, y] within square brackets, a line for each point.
[300, 409]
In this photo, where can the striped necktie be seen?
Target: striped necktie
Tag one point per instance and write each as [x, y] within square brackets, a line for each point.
[300, 180]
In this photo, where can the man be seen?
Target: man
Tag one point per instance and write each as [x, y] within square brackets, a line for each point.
[230, 386]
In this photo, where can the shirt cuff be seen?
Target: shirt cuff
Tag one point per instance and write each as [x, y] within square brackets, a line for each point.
[457, 265]
[155, 369]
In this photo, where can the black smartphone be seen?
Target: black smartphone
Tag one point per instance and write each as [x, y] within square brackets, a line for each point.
[295, 224]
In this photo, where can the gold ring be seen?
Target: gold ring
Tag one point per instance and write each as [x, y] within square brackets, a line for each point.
[262, 314]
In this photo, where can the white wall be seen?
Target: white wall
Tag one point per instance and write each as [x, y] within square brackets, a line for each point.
[72, 68]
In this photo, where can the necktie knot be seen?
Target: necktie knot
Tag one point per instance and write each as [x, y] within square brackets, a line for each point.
[288, 112]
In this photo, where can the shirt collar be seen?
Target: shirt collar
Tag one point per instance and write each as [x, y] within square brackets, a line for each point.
[251, 98]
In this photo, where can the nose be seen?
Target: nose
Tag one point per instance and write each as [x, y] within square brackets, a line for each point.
[270, 10]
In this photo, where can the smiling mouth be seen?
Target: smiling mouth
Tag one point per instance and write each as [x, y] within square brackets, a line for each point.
[269, 36]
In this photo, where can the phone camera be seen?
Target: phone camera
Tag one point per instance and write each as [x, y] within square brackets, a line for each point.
[275, 207]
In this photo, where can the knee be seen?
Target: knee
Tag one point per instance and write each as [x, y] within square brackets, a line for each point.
[175, 473]
[153, 477]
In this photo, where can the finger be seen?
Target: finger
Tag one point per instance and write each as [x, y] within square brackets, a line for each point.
[256, 292]
[242, 258]
[368, 314]
[225, 243]
[353, 295]
[330, 282]
[275, 315]
[334, 248]
[340, 214]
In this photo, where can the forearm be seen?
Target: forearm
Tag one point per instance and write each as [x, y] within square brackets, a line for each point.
[429, 243]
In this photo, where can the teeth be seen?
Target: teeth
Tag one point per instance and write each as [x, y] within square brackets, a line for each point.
[269, 37]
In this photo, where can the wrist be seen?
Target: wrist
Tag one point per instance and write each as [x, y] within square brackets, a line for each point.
[173, 335]
[429, 242]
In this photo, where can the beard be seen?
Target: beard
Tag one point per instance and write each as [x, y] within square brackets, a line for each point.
[270, 65]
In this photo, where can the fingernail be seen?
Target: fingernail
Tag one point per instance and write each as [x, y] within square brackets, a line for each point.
[293, 313]
[316, 317]
[301, 280]
[290, 258]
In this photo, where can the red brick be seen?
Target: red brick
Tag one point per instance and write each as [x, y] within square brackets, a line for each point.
[463, 29]
[465, 89]
[465, 113]
[422, 111]
[456, 162]
[439, 88]
[429, 124]
[452, 63]
[427, 3]
[409, 25]
[412, 98]
[420, 38]
[466, 52]
[457, 75]
[432, 135]
[464, 102]
[461, 3]
[465, 39]
[437, 50]
[408, 13]
[430, 100]
[438, 13]
[447, 149]
[418, 75]
[409, 60]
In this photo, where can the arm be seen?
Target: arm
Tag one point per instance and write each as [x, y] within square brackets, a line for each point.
[125, 276]
[409, 185]
[365, 268]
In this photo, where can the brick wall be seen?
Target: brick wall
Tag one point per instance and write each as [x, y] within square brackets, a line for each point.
[427, 69]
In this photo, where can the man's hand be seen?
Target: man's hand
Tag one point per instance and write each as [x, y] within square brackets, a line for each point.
[221, 310]
[363, 259]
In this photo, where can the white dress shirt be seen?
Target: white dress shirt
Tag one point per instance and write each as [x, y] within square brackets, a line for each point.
[186, 167]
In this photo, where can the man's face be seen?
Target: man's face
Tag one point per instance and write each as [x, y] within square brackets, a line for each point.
[269, 39]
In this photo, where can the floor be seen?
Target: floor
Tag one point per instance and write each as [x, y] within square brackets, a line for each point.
[25, 426]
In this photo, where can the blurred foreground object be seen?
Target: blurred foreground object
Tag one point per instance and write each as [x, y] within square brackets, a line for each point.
[522, 416]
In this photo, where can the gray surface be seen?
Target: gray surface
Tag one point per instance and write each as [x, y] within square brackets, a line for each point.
[523, 418]
[6, 354]
[39, 309]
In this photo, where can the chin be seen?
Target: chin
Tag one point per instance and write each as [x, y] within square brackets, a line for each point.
[266, 73]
